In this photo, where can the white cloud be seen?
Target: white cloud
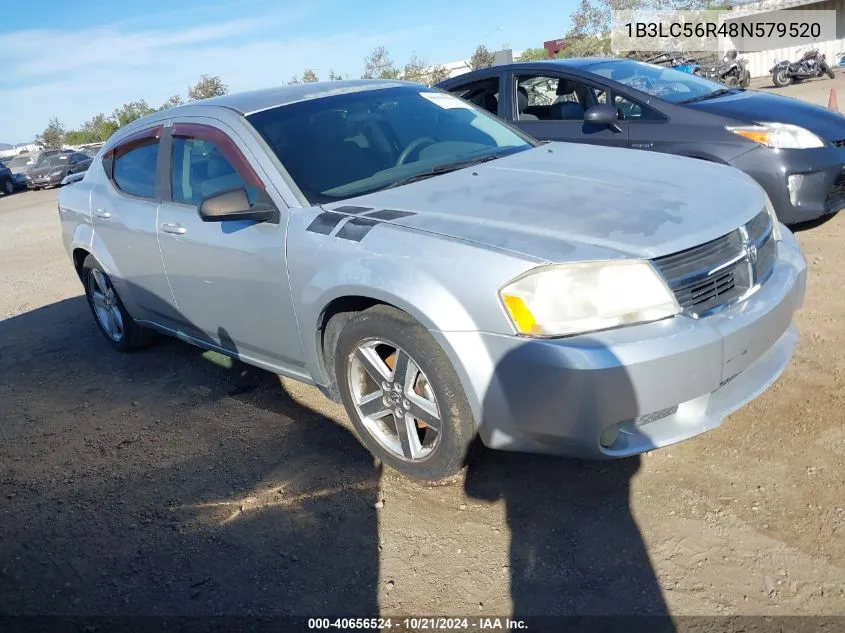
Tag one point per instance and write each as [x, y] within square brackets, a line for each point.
[81, 73]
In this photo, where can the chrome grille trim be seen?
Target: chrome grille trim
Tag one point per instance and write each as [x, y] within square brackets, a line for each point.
[710, 276]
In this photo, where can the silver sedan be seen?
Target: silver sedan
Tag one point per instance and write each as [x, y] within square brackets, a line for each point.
[442, 274]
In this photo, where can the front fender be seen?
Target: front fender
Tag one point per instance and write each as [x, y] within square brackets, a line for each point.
[445, 284]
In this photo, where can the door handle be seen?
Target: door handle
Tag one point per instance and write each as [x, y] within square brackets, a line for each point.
[176, 229]
[102, 213]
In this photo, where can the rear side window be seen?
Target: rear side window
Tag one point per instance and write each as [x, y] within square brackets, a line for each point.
[132, 165]
[135, 170]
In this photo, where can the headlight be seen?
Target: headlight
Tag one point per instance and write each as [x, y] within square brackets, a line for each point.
[565, 299]
[778, 135]
[54, 173]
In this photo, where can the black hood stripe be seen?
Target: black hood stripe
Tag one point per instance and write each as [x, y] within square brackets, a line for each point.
[325, 223]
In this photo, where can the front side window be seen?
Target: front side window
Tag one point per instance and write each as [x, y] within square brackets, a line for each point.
[135, 168]
[199, 169]
[354, 143]
[551, 98]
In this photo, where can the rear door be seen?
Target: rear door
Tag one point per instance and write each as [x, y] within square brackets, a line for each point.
[124, 209]
[556, 103]
[228, 277]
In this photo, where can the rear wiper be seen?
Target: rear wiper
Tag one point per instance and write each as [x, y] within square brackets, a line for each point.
[443, 169]
[709, 95]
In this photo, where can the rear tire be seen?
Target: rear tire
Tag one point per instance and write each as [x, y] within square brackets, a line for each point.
[8, 187]
[402, 395]
[112, 319]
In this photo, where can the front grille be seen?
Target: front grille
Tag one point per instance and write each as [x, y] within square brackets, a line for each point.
[837, 191]
[716, 273]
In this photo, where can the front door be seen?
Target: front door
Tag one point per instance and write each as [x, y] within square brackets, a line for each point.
[551, 107]
[124, 212]
[229, 277]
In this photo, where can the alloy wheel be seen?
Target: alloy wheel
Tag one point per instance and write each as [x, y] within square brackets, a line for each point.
[106, 305]
[394, 399]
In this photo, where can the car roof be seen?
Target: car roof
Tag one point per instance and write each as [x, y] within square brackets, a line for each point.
[257, 100]
[570, 63]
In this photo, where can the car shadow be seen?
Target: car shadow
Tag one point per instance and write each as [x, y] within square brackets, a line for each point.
[575, 548]
[172, 482]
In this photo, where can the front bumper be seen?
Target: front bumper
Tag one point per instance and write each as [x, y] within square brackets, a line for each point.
[649, 385]
[38, 183]
[819, 191]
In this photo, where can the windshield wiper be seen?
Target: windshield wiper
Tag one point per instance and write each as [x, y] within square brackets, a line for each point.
[709, 95]
[443, 169]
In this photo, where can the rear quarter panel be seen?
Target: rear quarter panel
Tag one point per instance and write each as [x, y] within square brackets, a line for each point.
[75, 215]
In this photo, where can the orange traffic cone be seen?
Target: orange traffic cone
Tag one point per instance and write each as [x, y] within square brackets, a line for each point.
[831, 102]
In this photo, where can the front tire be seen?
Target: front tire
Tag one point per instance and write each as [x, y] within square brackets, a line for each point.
[403, 395]
[781, 78]
[112, 319]
[8, 187]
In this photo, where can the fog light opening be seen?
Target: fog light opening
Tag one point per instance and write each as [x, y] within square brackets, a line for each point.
[793, 183]
[609, 436]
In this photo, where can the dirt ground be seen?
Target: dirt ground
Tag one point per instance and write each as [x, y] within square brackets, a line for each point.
[173, 481]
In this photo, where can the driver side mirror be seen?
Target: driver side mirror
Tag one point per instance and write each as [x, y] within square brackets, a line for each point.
[603, 114]
[234, 205]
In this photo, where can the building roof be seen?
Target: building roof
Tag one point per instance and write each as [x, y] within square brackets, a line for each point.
[257, 100]
[765, 6]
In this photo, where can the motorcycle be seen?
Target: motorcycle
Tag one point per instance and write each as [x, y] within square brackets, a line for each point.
[730, 71]
[681, 63]
[811, 65]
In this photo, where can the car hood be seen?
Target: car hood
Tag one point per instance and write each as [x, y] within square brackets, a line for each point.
[561, 201]
[41, 172]
[753, 107]
[20, 169]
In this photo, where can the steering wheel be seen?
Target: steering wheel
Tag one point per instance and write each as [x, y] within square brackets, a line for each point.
[413, 146]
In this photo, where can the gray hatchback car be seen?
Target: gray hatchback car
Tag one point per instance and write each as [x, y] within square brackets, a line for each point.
[441, 274]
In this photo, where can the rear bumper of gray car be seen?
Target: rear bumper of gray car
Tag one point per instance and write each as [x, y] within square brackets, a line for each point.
[803, 184]
[626, 391]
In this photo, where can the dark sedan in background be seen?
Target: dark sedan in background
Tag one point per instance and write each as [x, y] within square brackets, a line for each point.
[795, 150]
[53, 170]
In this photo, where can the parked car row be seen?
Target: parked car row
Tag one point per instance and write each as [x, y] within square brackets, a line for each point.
[448, 277]
[793, 149]
[44, 168]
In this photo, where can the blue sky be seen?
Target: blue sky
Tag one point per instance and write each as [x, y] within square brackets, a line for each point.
[75, 59]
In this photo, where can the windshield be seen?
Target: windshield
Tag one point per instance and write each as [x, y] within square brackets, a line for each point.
[349, 144]
[55, 161]
[666, 83]
[19, 161]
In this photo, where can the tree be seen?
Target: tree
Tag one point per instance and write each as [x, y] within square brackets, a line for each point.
[378, 65]
[533, 55]
[208, 86]
[53, 136]
[416, 70]
[438, 73]
[309, 76]
[132, 111]
[481, 58]
[333, 76]
[293, 80]
[172, 102]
